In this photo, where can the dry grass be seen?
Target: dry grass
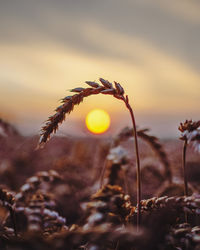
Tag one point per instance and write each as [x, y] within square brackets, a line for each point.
[107, 217]
[190, 133]
[153, 142]
[69, 102]
[62, 207]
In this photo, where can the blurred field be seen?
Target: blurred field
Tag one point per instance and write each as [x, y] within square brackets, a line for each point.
[80, 162]
[68, 209]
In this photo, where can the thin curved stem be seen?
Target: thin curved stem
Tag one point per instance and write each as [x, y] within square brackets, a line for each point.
[185, 175]
[184, 169]
[126, 101]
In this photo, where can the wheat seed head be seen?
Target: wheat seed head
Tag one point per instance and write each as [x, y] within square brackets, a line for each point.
[105, 87]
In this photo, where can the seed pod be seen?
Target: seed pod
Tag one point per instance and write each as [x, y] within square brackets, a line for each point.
[108, 92]
[77, 90]
[119, 88]
[106, 83]
[92, 84]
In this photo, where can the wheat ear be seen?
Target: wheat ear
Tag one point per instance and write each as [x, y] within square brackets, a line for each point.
[153, 142]
[7, 200]
[68, 104]
[191, 204]
[158, 149]
[33, 183]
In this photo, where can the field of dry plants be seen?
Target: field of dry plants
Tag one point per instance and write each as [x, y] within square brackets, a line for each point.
[131, 191]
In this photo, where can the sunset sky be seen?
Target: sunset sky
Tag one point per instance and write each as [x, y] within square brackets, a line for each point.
[151, 47]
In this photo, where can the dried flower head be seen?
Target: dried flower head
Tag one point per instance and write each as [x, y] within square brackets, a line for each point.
[191, 133]
[189, 126]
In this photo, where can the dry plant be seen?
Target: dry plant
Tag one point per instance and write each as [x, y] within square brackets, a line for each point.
[108, 220]
[34, 183]
[191, 204]
[7, 200]
[153, 142]
[34, 207]
[39, 215]
[190, 133]
[116, 165]
[67, 107]
[183, 236]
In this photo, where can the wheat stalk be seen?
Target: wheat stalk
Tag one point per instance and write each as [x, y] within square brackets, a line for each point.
[153, 142]
[190, 132]
[68, 104]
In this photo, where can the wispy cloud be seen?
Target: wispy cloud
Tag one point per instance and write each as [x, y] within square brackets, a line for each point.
[48, 48]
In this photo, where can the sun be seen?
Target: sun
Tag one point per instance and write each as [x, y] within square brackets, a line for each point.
[97, 121]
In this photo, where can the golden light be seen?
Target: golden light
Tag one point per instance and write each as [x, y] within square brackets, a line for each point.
[97, 121]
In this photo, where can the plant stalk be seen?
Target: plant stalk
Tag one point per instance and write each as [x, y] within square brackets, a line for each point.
[185, 175]
[184, 169]
[137, 161]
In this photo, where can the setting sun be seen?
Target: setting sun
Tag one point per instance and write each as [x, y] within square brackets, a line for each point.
[97, 121]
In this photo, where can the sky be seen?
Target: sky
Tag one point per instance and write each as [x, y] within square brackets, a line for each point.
[151, 47]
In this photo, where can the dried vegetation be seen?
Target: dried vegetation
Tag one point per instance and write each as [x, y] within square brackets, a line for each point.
[75, 201]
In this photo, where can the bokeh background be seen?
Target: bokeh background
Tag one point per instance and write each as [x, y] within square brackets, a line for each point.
[151, 47]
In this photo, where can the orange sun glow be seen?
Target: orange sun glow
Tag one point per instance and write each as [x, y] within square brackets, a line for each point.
[97, 121]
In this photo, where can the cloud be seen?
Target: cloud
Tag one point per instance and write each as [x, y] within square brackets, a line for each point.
[174, 30]
[48, 47]
[152, 75]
